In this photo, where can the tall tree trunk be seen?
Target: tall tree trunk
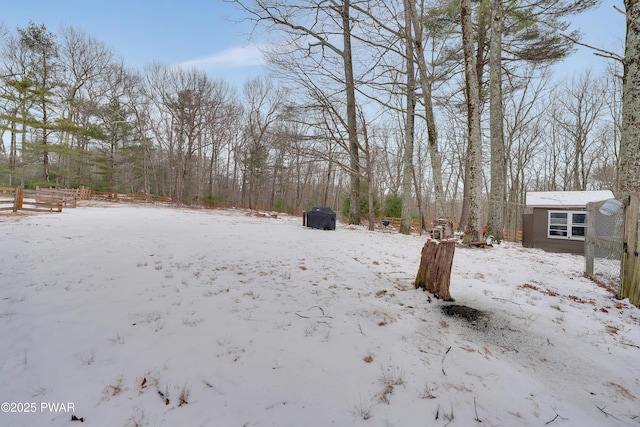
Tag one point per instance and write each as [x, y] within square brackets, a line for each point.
[480, 55]
[409, 130]
[464, 214]
[327, 186]
[13, 152]
[369, 171]
[495, 224]
[417, 184]
[352, 125]
[434, 151]
[473, 225]
[629, 167]
[45, 134]
[432, 131]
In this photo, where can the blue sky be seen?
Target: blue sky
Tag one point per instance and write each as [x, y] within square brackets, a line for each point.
[199, 32]
[603, 27]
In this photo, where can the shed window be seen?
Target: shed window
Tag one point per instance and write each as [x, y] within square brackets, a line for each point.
[567, 225]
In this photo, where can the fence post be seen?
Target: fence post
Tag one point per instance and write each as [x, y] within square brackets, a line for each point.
[589, 244]
[630, 287]
[18, 198]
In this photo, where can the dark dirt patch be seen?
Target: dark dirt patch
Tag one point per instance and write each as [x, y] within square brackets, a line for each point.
[471, 314]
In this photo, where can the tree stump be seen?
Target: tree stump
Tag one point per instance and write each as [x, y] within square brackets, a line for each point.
[434, 273]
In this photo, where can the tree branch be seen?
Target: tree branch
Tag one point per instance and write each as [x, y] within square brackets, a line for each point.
[598, 52]
[629, 17]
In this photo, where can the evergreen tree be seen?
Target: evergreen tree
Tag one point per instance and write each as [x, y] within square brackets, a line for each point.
[41, 52]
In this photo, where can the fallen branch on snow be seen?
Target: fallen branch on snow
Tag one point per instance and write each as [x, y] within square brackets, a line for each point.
[445, 355]
[310, 317]
[555, 418]
[606, 413]
[475, 407]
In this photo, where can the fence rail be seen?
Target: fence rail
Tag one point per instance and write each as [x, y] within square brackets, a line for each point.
[513, 236]
[41, 199]
[7, 198]
[130, 197]
[395, 222]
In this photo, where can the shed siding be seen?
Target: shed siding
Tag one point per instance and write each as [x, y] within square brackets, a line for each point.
[539, 239]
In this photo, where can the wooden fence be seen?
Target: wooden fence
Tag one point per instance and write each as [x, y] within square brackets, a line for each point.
[630, 287]
[7, 198]
[41, 199]
[415, 222]
[513, 236]
[130, 198]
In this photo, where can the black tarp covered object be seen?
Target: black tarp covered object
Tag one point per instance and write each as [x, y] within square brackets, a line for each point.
[321, 218]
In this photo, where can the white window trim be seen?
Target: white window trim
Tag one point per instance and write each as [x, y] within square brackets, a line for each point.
[569, 236]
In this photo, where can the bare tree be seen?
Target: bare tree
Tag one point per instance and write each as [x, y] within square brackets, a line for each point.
[315, 117]
[525, 126]
[263, 111]
[312, 27]
[369, 171]
[581, 108]
[223, 122]
[183, 101]
[474, 152]
[409, 128]
[85, 63]
[495, 223]
[605, 172]
[532, 32]
[433, 27]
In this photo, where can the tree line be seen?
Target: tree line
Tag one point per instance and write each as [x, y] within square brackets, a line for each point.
[406, 108]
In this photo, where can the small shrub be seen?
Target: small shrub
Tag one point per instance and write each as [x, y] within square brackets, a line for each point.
[89, 358]
[185, 392]
[113, 389]
[364, 410]
[390, 378]
[137, 418]
[427, 392]
[117, 339]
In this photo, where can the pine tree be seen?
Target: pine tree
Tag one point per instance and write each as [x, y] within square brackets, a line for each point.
[41, 54]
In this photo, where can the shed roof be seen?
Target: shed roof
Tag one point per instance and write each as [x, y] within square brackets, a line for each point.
[565, 198]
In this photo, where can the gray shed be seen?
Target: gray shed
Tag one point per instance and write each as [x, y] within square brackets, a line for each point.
[556, 221]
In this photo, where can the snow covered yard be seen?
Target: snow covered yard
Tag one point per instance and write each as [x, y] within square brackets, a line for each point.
[136, 316]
